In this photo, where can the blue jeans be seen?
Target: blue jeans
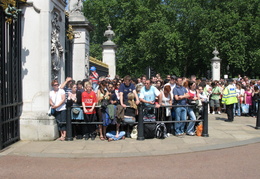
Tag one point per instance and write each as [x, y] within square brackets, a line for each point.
[190, 127]
[95, 87]
[237, 107]
[112, 135]
[180, 115]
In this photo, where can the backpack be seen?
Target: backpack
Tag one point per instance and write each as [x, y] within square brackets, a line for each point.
[160, 131]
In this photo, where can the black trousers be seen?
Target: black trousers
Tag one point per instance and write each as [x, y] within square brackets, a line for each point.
[230, 113]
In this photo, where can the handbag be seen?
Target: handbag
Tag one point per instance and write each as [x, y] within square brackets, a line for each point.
[245, 108]
[75, 111]
[51, 111]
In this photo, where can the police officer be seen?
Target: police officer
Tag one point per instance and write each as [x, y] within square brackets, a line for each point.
[229, 98]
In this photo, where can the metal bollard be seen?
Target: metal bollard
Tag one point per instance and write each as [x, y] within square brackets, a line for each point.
[68, 125]
[205, 119]
[140, 125]
[258, 116]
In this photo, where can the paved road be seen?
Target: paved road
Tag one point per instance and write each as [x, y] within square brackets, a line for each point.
[235, 162]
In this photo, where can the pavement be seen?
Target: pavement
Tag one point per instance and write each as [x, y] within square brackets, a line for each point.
[222, 135]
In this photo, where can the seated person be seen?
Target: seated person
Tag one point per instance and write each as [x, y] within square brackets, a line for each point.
[115, 135]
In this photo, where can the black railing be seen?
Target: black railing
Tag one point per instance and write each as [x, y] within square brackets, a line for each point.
[140, 122]
[258, 116]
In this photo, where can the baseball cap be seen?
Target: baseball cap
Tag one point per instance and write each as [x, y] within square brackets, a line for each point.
[93, 68]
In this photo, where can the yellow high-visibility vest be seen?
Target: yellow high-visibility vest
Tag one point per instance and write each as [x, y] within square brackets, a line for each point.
[229, 95]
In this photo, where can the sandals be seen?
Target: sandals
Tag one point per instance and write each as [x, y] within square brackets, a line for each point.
[101, 138]
[62, 138]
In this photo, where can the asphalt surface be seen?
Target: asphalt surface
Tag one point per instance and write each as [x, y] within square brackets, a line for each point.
[230, 151]
[235, 162]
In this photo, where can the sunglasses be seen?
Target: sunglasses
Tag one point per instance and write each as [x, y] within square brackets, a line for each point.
[56, 85]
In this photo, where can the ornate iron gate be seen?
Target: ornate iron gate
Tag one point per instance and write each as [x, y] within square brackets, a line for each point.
[10, 79]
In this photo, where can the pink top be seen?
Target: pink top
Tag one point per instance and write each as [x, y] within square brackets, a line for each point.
[248, 98]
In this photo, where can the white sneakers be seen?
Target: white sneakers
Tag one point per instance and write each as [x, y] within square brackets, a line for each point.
[218, 112]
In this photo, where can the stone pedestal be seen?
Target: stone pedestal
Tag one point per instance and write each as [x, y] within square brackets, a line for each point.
[42, 20]
[215, 66]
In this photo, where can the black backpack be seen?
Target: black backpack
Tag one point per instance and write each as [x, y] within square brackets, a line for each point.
[160, 131]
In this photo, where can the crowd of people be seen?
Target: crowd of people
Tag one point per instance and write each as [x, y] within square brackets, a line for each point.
[118, 99]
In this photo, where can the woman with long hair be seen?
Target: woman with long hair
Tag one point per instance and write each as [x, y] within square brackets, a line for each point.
[190, 109]
[248, 99]
[102, 95]
[167, 100]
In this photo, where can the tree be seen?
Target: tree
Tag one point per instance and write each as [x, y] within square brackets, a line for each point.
[178, 36]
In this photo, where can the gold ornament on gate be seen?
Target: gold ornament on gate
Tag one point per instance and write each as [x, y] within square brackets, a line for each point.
[10, 9]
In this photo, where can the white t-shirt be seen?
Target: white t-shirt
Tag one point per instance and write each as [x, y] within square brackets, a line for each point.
[56, 99]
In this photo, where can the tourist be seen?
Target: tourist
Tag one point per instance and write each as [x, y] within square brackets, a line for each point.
[172, 83]
[114, 136]
[103, 100]
[80, 86]
[193, 97]
[255, 101]
[94, 77]
[214, 98]
[166, 111]
[248, 99]
[125, 88]
[159, 85]
[89, 101]
[57, 102]
[149, 93]
[180, 95]
[66, 85]
[237, 106]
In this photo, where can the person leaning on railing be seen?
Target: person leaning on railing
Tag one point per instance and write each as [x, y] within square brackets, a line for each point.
[89, 99]
[180, 95]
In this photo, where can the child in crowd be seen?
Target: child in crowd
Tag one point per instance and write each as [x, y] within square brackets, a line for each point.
[89, 101]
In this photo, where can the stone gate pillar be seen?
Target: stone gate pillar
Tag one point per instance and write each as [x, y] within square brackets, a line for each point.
[215, 66]
[43, 44]
[109, 52]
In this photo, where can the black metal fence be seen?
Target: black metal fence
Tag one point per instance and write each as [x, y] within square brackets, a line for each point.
[140, 122]
[10, 80]
[68, 50]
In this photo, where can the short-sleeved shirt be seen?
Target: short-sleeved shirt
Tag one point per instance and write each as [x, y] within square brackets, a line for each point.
[125, 90]
[215, 96]
[57, 98]
[180, 91]
[149, 95]
[89, 99]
